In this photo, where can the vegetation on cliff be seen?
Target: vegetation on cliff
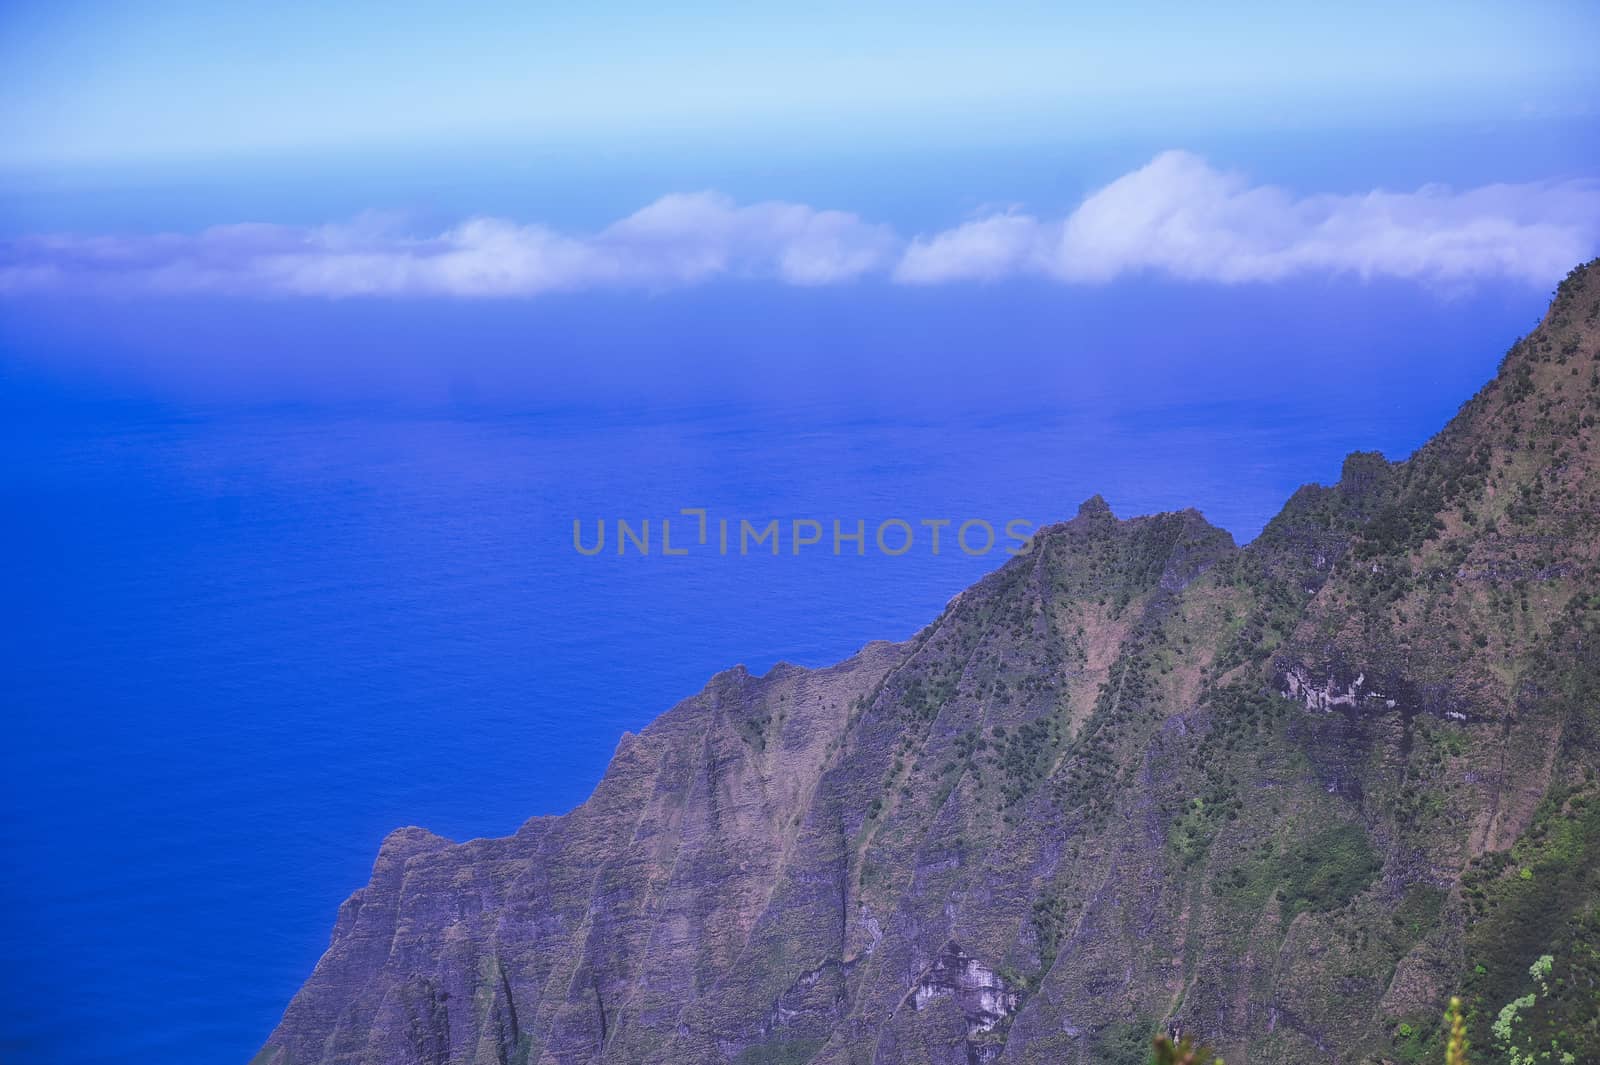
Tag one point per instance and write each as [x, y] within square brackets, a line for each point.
[1292, 797]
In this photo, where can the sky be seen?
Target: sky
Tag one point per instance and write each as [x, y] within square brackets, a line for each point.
[187, 155]
[142, 82]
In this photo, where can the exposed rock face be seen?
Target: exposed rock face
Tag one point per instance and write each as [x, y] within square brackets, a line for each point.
[1287, 797]
[983, 995]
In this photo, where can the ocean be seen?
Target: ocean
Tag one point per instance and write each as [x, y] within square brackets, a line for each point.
[274, 588]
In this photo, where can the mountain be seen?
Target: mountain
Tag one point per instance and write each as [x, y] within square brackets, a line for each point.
[1287, 797]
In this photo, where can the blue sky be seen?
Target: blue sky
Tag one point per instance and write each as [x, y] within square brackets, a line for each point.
[95, 84]
[168, 161]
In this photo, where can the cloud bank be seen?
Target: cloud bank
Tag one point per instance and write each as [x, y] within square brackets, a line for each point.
[1179, 217]
[1175, 217]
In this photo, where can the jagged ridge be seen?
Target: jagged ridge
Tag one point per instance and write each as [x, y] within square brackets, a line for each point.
[1138, 778]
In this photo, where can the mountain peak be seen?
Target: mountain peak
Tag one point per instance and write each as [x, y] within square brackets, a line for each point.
[1095, 508]
[1581, 281]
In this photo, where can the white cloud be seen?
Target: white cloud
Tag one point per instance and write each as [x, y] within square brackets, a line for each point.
[1176, 217]
[1179, 217]
[689, 238]
[678, 240]
[985, 250]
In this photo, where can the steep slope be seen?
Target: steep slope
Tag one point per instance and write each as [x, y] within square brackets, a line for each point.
[1287, 796]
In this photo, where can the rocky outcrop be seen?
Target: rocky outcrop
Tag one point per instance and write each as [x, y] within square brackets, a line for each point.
[1285, 796]
[982, 995]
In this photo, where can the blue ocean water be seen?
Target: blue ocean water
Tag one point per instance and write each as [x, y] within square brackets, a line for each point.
[277, 583]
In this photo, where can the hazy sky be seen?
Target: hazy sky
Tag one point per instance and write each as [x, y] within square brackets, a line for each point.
[93, 83]
[527, 153]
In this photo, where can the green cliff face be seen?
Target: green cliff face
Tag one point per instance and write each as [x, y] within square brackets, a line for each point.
[1287, 797]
